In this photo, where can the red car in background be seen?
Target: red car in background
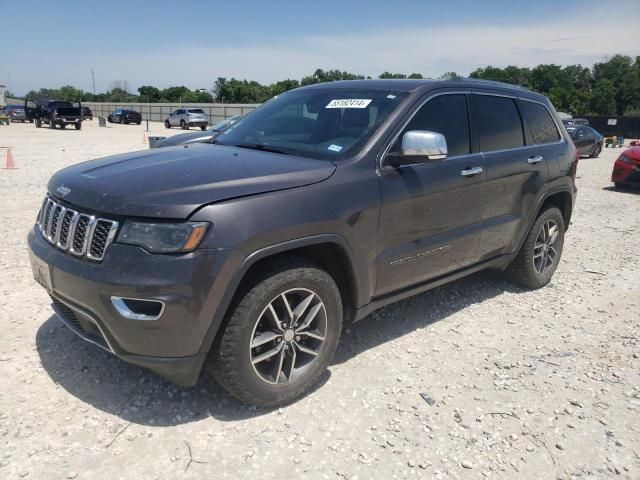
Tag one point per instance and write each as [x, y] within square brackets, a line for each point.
[626, 170]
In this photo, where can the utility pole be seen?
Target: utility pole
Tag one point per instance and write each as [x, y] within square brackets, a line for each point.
[93, 80]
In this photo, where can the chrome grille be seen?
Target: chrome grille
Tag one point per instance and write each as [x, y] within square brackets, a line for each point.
[79, 233]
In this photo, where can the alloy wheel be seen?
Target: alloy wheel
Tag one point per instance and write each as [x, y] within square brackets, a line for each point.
[544, 250]
[288, 336]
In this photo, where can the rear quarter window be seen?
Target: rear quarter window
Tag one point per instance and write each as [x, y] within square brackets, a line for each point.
[497, 122]
[542, 129]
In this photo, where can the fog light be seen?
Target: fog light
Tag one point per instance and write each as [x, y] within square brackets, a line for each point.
[138, 309]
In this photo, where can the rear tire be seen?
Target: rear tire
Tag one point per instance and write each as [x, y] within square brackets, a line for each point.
[596, 151]
[78, 126]
[183, 124]
[540, 253]
[167, 124]
[63, 125]
[38, 122]
[303, 348]
[203, 128]
[52, 124]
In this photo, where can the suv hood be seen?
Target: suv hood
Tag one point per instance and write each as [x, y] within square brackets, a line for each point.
[173, 182]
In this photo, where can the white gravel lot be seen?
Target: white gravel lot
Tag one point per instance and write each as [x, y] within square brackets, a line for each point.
[520, 384]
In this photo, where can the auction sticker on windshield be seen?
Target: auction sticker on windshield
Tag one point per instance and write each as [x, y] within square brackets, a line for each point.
[349, 103]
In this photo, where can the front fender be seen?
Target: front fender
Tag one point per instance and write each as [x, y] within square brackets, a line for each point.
[248, 261]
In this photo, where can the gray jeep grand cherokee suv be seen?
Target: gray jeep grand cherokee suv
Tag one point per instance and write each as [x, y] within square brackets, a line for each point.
[321, 206]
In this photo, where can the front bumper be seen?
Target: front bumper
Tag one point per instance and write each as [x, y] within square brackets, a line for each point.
[625, 173]
[190, 285]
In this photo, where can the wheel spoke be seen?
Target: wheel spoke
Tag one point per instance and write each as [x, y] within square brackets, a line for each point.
[275, 317]
[538, 255]
[300, 309]
[305, 349]
[264, 337]
[553, 231]
[268, 354]
[280, 362]
[310, 316]
[293, 364]
[311, 335]
[288, 307]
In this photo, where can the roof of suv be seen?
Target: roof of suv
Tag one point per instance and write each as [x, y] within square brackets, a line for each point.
[410, 85]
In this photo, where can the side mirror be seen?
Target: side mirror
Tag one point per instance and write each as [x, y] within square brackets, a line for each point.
[419, 146]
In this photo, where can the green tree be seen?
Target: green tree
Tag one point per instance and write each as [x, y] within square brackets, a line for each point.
[149, 93]
[603, 100]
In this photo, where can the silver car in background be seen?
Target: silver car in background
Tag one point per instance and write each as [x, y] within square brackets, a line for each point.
[186, 118]
[194, 137]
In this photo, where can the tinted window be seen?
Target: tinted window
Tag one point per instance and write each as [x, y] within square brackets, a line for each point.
[196, 110]
[497, 122]
[541, 127]
[446, 114]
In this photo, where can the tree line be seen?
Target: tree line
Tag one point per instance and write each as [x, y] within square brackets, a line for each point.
[611, 87]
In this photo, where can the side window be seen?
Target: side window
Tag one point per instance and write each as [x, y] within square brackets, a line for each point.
[445, 114]
[497, 122]
[541, 127]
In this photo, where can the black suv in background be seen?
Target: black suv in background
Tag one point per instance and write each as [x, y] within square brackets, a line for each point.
[321, 206]
[125, 116]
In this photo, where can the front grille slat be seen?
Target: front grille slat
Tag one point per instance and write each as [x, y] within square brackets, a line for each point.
[79, 233]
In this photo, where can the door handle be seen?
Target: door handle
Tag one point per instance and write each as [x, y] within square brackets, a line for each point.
[535, 159]
[470, 172]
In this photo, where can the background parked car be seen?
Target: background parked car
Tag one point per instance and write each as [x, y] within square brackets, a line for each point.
[626, 169]
[575, 122]
[186, 118]
[125, 116]
[15, 113]
[87, 114]
[196, 137]
[587, 140]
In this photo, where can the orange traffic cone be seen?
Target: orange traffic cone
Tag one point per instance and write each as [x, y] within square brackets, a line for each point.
[10, 165]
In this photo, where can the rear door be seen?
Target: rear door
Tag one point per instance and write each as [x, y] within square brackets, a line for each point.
[516, 157]
[431, 212]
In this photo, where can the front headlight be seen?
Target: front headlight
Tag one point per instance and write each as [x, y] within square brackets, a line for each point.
[163, 237]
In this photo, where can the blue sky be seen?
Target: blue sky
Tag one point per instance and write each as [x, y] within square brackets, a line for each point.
[194, 42]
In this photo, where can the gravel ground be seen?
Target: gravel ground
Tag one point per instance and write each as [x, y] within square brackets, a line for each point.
[472, 380]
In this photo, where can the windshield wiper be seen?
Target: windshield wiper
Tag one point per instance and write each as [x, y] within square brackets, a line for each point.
[261, 147]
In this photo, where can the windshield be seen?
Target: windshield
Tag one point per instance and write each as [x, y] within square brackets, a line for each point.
[326, 124]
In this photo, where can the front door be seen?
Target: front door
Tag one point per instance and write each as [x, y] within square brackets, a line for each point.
[431, 212]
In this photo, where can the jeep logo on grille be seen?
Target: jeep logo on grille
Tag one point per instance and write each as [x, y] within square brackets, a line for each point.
[64, 191]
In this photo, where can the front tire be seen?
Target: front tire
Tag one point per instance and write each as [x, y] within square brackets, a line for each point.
[183, 124]
[78, 126]
[540, 253]
[203, 128]
[52, 124]
[280, 335]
